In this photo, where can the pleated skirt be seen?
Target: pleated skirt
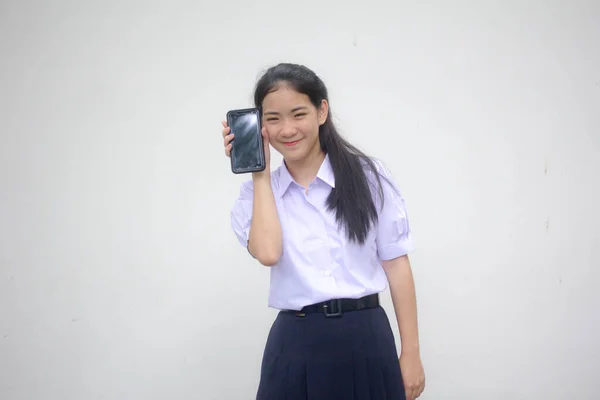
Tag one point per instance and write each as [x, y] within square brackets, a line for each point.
[352, 357]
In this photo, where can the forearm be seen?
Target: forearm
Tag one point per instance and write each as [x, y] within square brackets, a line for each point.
[265, 239]
[402, 288]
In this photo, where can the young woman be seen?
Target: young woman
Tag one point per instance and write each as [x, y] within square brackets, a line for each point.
[332, 225]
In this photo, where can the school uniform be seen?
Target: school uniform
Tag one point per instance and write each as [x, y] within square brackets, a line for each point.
[331, 339]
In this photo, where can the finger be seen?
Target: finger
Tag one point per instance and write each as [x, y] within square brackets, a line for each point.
[227, 139]
[418, 394]
[225, 131]
[228, 150]
[412, 393]
[224, 123]
[421, 388]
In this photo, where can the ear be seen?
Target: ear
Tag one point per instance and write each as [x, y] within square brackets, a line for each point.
[323, 111]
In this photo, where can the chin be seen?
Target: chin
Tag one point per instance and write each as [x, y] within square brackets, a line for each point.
[294, 155]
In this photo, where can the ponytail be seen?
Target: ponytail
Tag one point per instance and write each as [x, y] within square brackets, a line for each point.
[351, 198]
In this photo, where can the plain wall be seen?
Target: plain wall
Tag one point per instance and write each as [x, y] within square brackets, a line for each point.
[120, 277]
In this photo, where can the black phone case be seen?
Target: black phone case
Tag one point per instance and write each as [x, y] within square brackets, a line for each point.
[260, 139]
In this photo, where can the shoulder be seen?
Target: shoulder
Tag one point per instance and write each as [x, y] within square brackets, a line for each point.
[384, 187]
[374, 167]
[379, 167]
[378, 174]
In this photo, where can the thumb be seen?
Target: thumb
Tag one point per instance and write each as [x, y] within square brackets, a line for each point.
[266, 145]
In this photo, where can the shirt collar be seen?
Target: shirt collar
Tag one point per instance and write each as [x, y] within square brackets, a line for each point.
[325, 174]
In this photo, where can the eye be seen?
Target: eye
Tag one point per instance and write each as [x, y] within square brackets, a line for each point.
[300, 115]
[272, 119]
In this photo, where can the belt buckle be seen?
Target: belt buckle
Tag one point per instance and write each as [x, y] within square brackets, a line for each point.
[333, 308]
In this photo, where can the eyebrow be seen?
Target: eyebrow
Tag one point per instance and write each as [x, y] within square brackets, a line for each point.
[293, 110]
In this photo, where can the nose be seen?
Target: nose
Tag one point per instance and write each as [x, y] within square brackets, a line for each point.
[288, 129]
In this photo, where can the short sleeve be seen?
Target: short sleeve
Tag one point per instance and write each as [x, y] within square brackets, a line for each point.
[241, 213]
[394, 237]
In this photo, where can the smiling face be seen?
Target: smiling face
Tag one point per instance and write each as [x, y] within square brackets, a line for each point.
[292, 123]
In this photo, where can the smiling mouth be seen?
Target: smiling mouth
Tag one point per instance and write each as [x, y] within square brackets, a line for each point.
[290, 144]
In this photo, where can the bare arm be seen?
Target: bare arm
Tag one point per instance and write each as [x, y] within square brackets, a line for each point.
[265, 241]
[402, 288]
[264, 238]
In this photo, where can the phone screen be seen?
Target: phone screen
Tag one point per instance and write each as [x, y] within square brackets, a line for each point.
[247, 153]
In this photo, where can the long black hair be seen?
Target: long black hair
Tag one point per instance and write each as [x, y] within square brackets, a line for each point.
[351, 198]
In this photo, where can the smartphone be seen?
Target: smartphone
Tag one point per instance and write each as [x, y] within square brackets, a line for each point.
[247, 150]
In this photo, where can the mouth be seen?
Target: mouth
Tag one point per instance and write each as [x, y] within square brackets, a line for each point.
[291, 144]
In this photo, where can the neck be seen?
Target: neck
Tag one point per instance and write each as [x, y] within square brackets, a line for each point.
[304, 171]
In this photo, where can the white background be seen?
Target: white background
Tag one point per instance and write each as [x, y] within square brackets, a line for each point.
[120, 277]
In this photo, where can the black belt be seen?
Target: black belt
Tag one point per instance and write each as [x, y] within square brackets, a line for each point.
[336, 307]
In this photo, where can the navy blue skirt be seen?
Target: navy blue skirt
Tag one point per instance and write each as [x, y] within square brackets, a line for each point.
[311, 357]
